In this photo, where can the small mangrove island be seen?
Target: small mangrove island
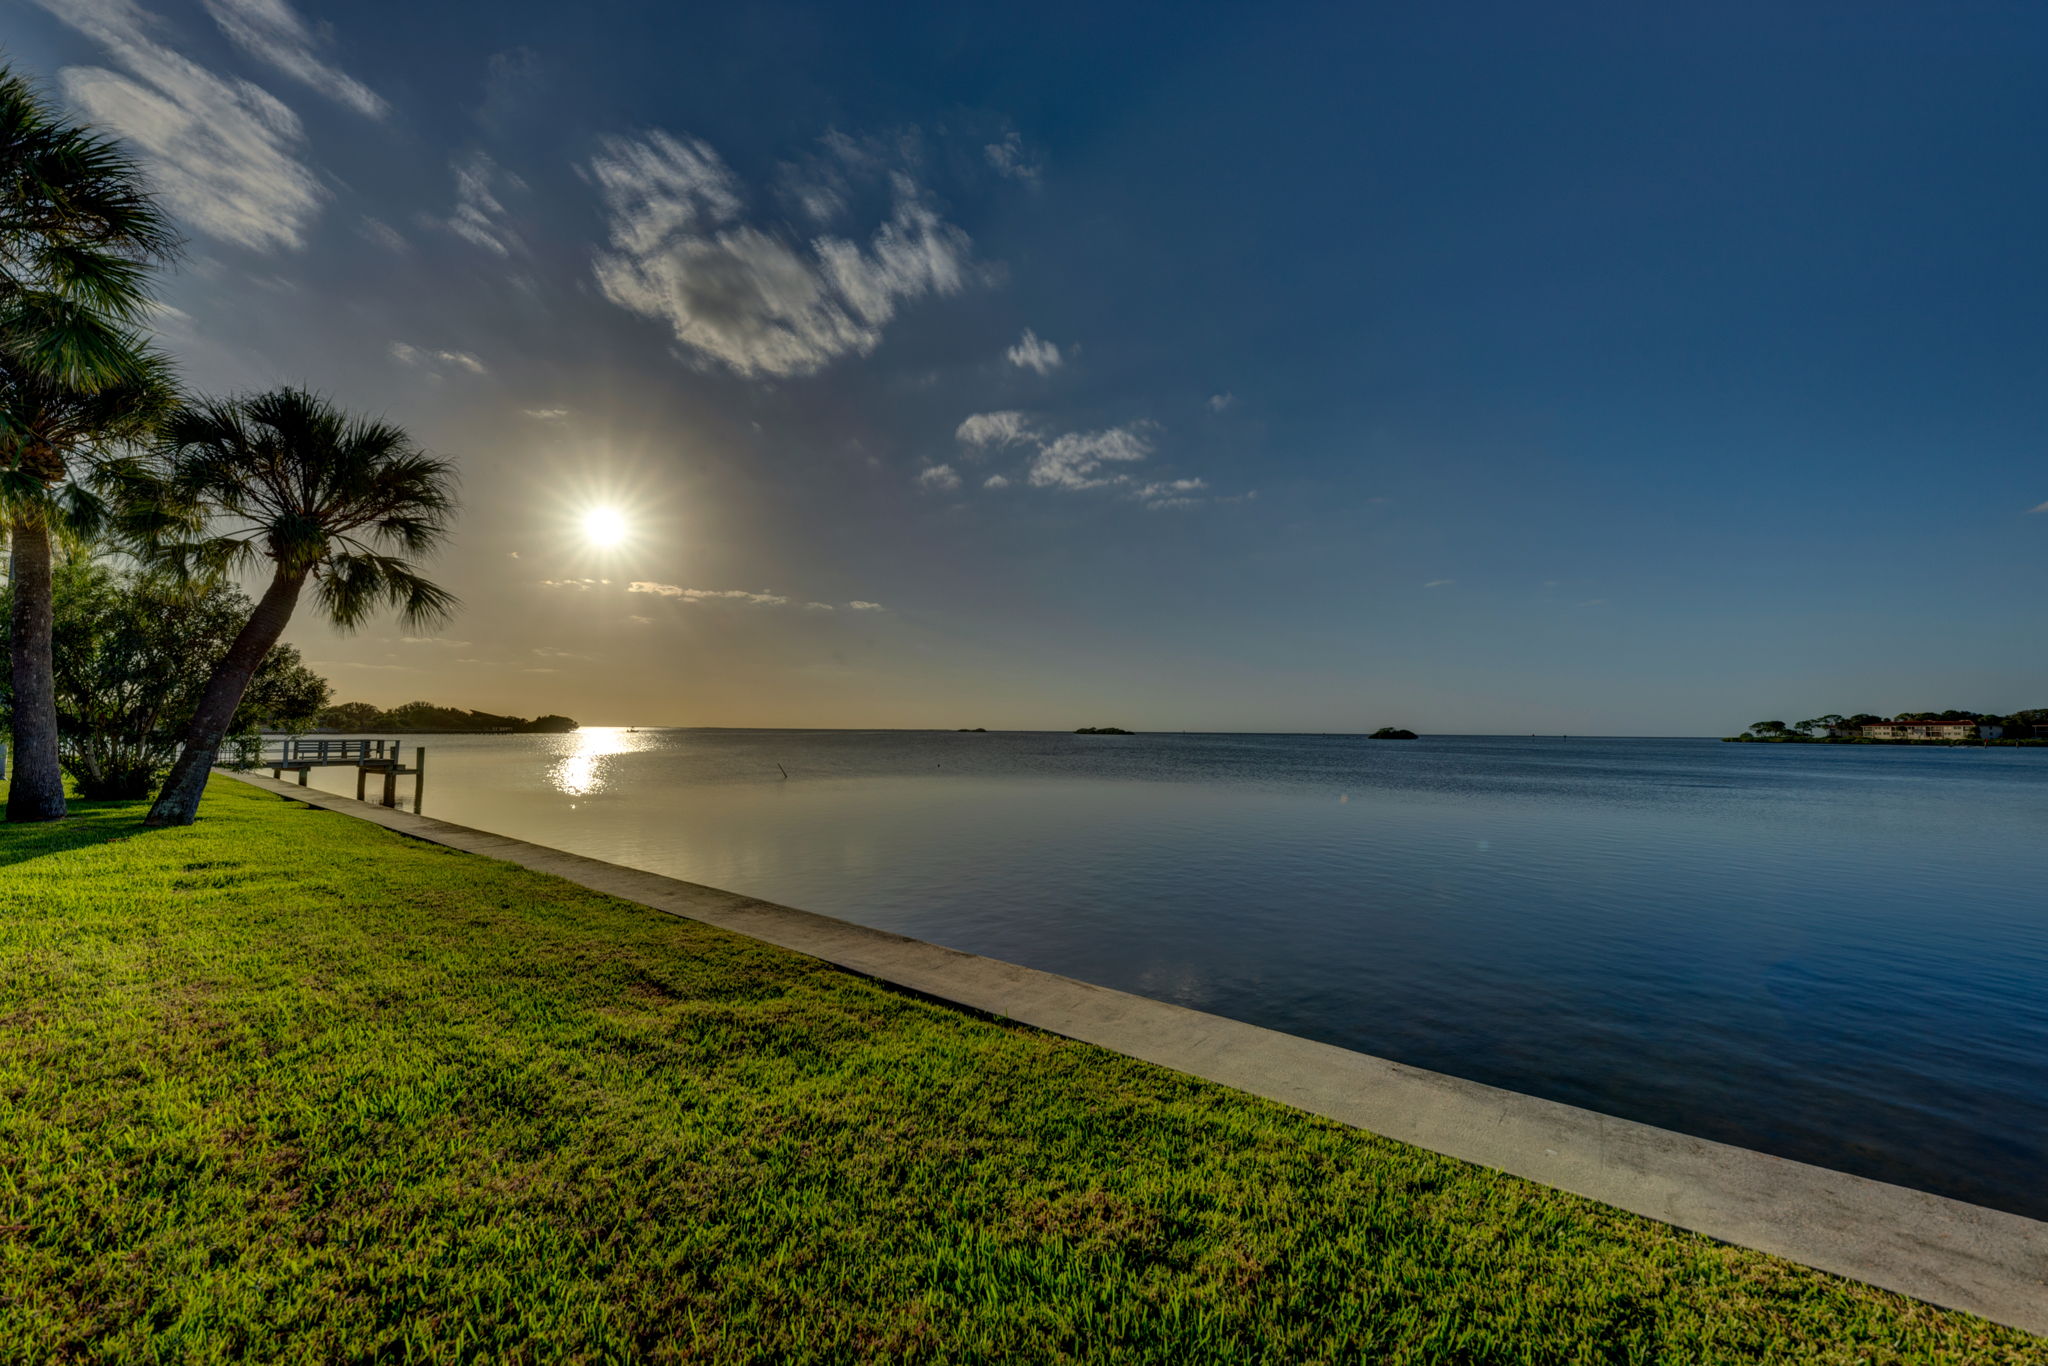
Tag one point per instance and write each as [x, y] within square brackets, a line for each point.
[1102, 730]
[1392, 733]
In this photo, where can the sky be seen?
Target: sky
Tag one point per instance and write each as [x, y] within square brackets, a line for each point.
[1495, 368]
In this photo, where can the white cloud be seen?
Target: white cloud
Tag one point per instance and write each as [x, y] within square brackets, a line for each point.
[819, 607]
[550, 652]
[940, 477]
[994, 429]
[480, 217]
[2039, 507]
[670, 590]
[223, 153]
[435, 640]
[270, 31]
[407, 354]
[1033, 353]
[1439, 583]
[1009, 159]
[859, 606]
[1075, 461]
[995, 481]
[749, 299]
[1218, 402]
[544, 414]
[580, 585]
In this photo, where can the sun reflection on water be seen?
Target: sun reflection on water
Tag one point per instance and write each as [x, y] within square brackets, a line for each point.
[581, 761]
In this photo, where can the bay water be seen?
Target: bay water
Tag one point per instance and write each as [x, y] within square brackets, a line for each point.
[1838, 954]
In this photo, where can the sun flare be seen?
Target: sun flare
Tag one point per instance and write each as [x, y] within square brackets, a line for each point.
[604, 527]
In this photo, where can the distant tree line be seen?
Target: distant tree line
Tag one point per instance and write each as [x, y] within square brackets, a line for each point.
[425, 716]
[2029, 724]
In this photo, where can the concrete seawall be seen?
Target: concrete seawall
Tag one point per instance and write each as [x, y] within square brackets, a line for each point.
[1948, 1253]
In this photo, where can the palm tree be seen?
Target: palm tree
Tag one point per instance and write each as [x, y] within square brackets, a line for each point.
[58, 462]
[78, 233]
[288, 478]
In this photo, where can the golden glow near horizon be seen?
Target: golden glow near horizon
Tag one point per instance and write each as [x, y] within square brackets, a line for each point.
[605, 527]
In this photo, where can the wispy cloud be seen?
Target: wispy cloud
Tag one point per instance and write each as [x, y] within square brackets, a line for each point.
[1219, 402]
[1010, 160]
[550, 652]
[1076, 460]
[434, 640]
[753, 300]
[1034, 353]
[671, 590]
[1169, 493]
[223, 152]
[819, 607]
[1439, 583]
[581, 585]
[271, 31]
[405, 353]
[2038, 507]
[544, 414]
[983, 430]
[480, 217]
[859, 606]
[382, 233]
[941, 477]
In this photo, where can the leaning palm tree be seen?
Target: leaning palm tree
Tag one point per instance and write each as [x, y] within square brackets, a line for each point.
[289, 480]
[78, 233]
[62, 453]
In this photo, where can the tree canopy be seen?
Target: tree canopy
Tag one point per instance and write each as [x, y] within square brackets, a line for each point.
[132, 652]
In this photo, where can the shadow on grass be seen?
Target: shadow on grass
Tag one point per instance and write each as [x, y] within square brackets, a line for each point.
[88, 824]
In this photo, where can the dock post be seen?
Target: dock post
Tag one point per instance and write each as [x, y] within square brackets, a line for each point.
[391, 785]
[362, 776]
[419, 775]
[304, 774]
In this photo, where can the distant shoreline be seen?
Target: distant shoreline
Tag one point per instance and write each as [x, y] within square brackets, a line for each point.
[2024, 742]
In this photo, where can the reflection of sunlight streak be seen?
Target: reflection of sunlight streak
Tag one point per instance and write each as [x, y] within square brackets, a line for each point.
[579, 768]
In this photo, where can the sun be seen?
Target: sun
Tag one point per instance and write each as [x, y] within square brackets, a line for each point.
[605, 527]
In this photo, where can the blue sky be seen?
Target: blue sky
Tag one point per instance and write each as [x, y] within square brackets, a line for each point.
[1499, 368]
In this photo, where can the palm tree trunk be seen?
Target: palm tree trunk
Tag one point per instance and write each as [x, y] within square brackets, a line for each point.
[36, 784]
[178, 803]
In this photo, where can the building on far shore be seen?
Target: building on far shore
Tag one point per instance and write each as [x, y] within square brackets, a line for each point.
[1920, 730]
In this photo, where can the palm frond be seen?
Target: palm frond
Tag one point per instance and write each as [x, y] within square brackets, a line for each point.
[290, 477]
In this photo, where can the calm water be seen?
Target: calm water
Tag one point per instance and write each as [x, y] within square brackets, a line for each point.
[1835, 954]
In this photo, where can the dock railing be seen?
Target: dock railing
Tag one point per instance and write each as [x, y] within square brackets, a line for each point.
[302, 754]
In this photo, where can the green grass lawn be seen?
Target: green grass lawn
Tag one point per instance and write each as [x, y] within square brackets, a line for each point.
[286, 1087]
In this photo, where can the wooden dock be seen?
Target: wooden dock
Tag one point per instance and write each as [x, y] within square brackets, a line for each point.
[300, 755]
